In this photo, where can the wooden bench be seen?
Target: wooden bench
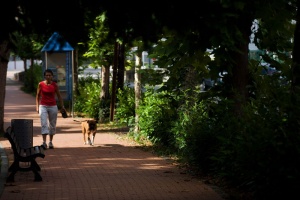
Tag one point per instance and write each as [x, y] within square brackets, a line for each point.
[24, 155]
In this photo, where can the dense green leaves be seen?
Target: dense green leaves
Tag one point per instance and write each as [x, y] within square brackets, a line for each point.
[88, 103]
[100, 48]
[155, 117]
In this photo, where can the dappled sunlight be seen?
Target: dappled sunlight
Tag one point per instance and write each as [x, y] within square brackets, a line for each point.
[13, 107]
[115, 158]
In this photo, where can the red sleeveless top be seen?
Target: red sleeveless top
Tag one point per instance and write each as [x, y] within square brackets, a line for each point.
[48, 94]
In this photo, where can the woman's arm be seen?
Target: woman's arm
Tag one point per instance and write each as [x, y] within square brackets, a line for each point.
[37, 98]
[59, 97]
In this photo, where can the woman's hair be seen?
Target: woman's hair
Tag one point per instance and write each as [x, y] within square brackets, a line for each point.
[48, 71]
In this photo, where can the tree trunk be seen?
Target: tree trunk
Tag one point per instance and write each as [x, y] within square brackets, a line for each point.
[240, 71]
[114, 80]
[4, 59]
[295, 85]
[25, 65]
[75, 73]
[104, 95]
[121, 67]
[137, 87]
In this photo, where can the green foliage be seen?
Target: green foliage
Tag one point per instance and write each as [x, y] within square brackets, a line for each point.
[125, 109]
[104, 111]
[88, 102]
[195, 138]
[178, 57]
[32, 77]
[256, 152]
[156, 113]
[98, 45]
[27, 46]
[152, 77]
[251, 152]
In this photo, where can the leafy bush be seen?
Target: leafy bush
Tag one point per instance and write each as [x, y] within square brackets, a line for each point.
[257, 152]
[155, 116]
[125, 109]
[88, 102]
[32, 77]
[196, 140]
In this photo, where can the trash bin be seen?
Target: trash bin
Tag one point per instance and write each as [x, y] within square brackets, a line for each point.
[23, 129]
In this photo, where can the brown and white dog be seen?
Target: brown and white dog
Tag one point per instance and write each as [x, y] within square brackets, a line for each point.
[89, 129]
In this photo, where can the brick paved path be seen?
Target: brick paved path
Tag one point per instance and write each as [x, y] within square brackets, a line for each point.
[114, 169]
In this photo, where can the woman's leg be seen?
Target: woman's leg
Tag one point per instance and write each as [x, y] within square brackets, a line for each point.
[44, 124]
[53, 110]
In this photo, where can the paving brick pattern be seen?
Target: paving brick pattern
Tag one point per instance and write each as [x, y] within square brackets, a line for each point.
[113, 169]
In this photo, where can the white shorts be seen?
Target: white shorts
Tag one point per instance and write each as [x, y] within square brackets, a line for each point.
[48, 115]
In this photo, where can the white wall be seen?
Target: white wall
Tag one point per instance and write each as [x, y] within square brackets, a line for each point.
[16, 65]
[19, 65]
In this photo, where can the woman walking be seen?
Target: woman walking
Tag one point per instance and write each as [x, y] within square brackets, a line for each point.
[47, 108]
